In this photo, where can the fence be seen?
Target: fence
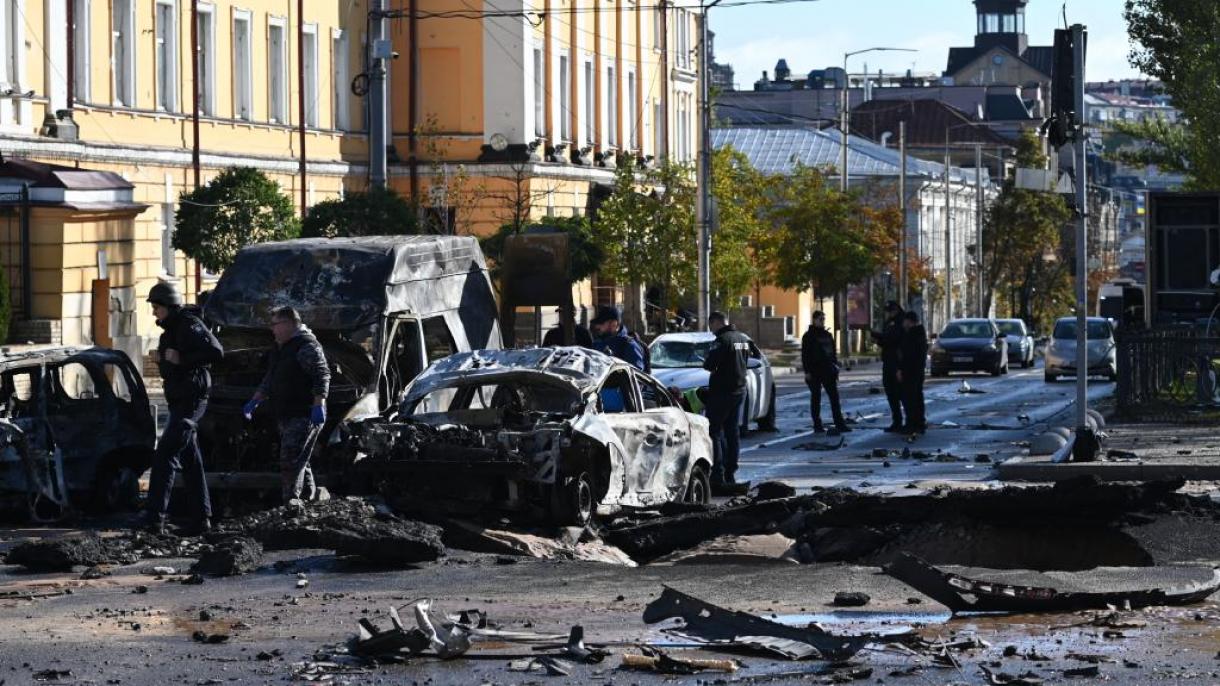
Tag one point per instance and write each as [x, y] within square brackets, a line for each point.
[1168, 376]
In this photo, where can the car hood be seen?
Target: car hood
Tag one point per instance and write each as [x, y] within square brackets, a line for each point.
[964, 344]
[683, 378]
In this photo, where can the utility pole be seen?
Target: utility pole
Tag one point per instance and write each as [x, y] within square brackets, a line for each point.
[978, 223]
[1085, 445]
[380, 51]
[948, 236]
[703, 208]
[301, 105]
[902, 209]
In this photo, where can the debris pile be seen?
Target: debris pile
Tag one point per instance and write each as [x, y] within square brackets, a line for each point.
[230, 557]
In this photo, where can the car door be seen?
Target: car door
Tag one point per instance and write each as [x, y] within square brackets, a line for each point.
[643, 435]
[664, 464]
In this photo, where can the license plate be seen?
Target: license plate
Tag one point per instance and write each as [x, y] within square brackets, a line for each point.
[963, 359]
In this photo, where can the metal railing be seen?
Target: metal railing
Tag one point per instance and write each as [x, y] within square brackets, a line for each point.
[1168, 376]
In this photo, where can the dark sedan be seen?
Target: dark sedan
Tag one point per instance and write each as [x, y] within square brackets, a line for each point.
[970, 345]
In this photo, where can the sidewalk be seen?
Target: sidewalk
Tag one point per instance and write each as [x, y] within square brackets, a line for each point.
[1133, 452]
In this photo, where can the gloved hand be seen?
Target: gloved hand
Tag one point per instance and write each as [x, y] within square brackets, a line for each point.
[248, 409]
[317, 415]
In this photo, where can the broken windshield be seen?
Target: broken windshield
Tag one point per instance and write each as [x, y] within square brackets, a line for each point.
[514, 396]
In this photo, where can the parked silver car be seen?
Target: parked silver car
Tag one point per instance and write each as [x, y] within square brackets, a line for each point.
[1061, 351]
[1020, 343]
[677, 362]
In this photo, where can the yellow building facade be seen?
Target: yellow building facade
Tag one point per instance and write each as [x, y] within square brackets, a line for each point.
[488, 102]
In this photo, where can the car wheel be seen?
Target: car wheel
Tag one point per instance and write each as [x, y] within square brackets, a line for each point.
[573, 500]
[938, 372]
[1027, 364]
[767, 423]
[998, 369]
[116, 484]
[699, 489]
[1050, 378]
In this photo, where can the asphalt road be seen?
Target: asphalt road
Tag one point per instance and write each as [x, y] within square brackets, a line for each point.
[968, 432]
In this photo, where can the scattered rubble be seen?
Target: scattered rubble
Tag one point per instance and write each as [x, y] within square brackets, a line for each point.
[61, 554]
[654, 660]
[230, 557]
[763, 548]
[584, 545]
[851, 599]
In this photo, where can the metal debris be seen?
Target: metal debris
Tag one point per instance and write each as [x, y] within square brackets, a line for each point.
[662, 663]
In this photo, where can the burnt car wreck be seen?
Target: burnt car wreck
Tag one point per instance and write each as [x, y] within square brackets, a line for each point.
[76, 431]
[564, 432]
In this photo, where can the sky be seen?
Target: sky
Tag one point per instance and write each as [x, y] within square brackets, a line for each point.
[814, 35]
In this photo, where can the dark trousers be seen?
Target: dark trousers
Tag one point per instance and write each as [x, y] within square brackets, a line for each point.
[831, 384]
[297, 441]
[178, 451]
[912, 400]
[893, 393]
[723, 412]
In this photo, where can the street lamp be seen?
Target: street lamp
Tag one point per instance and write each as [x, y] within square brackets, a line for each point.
[844, 343]
[703, 209]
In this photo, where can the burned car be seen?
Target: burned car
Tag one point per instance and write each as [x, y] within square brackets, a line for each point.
[383, 308]
[76, 431]
[567, 432]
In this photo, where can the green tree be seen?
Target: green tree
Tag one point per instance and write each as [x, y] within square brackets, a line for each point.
[584, 252]
[239, 207]
[744, 245]
[1023, 232]
[377, 212]
[1178, 42]
[1150, 141]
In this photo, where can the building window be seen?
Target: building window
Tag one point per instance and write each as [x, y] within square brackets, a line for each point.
[565, 98]
[80, 43]
[276, 76]
[680, 17]
[309, 60]
[590, 96]
[167, 57]
[122, 53]
[206, 78]
[342, 110]
[633, 129]
[658, 129]
[539, 94]
[611, 107]
[658, 27]
[168, 265]
[243, 75]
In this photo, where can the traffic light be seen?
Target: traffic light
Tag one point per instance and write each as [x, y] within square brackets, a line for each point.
[1064, 119]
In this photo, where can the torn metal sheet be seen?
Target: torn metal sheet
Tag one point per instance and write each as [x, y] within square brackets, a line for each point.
[719, 626]
[433, 631]
[964, 589]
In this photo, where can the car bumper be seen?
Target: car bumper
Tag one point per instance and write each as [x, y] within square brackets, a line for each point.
[971, 361]
[1019, 355]
[1057, 365]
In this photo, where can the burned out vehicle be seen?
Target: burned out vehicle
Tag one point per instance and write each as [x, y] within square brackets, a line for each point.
[383, 307]
[76, 431]
[567, 432]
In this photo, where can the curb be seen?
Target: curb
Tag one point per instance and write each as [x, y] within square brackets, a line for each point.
[1017, 469]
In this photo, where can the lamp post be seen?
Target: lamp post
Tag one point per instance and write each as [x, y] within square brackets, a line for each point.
[841, 318]
[978, 209]
[703, 209]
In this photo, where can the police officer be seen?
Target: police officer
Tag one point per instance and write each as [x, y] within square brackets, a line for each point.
[911, 374]
[184, 354]
[822, 372]
[297, 383]
[890, 340]
[611, 336]
[726, 389]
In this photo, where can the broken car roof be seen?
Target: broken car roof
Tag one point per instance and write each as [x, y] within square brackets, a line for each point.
[581, 367]
[58, 356]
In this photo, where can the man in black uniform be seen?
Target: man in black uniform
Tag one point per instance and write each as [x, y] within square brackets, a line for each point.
[890, 340]
[580, 334]
[297, 382]
[184, 354]
[726, 390]
[822, 371]
[911, 374]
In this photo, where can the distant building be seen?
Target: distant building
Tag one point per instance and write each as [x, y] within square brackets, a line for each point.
[720, 75]
[1001, 53]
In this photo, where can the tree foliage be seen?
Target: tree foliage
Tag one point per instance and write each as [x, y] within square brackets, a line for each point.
[239, 207]
[1151, 142]
[744, 244]
[1178, 42]
[377, 212]
[1022, 234]
[585, 254]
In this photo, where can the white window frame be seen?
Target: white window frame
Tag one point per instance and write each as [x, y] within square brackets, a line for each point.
[81, 40]
[565, 96]
[123, 65]
[309, 57]
[340, 77]
[277, 98]
[165, 57]
[207, 59]
[243, 67]
[612, 106]
[589, 80]
[539, 66]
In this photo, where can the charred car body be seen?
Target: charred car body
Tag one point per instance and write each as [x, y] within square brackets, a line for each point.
[383, 307]
[567, 431]
[76, 431]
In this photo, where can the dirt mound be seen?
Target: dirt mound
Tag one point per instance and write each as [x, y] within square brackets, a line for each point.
[230, 557]
[349, 526]
[61, 554]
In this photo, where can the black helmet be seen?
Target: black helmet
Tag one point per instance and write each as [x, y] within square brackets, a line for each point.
[164, 293]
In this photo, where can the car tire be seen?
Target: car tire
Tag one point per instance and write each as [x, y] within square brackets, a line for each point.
[573, 500]
[1050, 378]
[767, 423]
[936, 373]
[699, 488]
[1027, 364]
[998, 370]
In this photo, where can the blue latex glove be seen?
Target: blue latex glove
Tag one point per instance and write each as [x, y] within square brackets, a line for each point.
[248, 409]
[317, 415]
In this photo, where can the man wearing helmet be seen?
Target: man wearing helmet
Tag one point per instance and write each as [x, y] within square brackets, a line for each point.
[184, 354]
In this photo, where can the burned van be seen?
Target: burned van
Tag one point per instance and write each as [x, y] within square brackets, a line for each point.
[383, 307]
[76, 431]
